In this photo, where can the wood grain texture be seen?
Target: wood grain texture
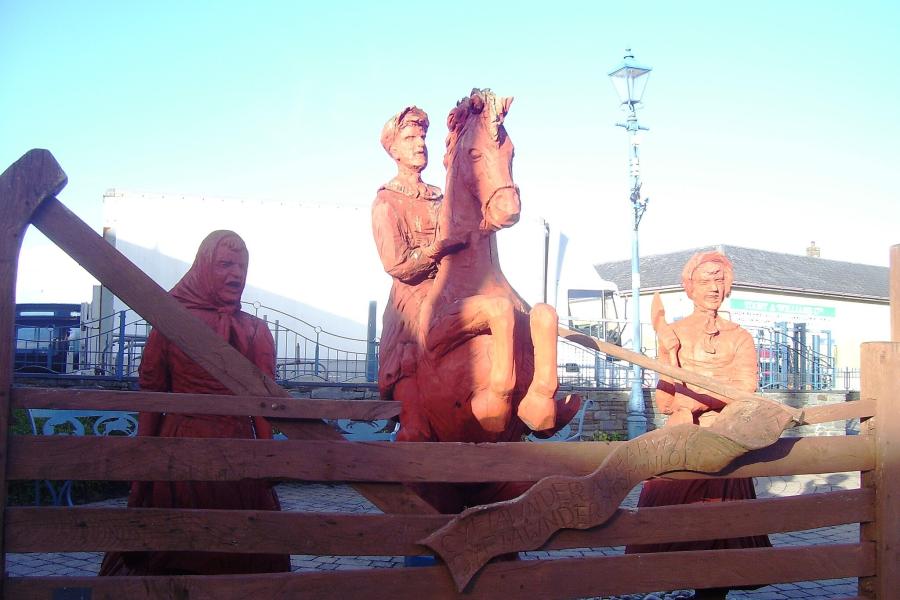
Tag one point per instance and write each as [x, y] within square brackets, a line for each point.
[265, 406]
[707, 383]
[839, 411]
[297, 408]
[880, 379]
[517, 580]
[80, 529]
[23, 186]
[136, 289]
[126, 459]
[481, 533]
[196, 339]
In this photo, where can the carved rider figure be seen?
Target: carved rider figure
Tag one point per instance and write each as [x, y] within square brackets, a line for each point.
[404, 217]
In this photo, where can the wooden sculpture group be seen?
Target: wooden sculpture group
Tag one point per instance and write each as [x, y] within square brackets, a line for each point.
[470, 361]
[466, 357]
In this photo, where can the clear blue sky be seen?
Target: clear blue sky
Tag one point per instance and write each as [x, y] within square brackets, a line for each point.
[771, 123]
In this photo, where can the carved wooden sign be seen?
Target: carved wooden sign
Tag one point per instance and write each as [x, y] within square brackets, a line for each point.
[480, 533]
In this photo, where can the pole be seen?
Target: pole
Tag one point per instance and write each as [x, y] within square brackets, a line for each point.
[637, 419]
[371, 348]
[637, 422]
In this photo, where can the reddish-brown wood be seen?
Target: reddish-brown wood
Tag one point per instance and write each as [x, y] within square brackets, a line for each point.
[481, 533]
[839, 411]
[707, 383]
[525, 580]
[23, 186]
[90, 529]
[87, 458]
[23, 197]
[144, 295]
[879, 370]
[295, 408]
[197, 340]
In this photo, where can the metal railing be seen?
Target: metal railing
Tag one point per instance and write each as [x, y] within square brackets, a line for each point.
[111, 348]
[306, 352]
[790, 358]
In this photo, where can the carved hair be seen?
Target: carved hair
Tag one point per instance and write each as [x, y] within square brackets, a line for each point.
[409, 115]
[698, 259]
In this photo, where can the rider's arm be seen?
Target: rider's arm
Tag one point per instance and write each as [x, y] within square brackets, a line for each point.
[401, 260]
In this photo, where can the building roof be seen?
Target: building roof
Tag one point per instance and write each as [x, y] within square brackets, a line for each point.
[762, 270]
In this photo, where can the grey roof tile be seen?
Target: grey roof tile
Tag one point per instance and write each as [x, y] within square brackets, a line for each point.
[760, 269]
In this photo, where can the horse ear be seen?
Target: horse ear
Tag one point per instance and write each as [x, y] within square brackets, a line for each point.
[477, 104]
[506, 102]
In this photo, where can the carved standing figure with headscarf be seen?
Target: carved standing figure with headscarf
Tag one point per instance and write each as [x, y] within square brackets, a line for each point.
[211, 290]
[705, 343]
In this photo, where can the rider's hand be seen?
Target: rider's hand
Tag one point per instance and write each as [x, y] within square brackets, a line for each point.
[442, 247]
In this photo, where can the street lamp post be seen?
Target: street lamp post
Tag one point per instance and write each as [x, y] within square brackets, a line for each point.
[630, 80]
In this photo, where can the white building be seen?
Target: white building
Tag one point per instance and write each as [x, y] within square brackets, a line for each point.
[851, 301]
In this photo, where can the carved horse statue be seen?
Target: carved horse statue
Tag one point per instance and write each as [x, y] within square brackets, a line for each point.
[487, 369]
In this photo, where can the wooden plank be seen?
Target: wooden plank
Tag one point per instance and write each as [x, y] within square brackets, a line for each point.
[880, 380]
[707, 383]
[265, 406]
[23, 186]
[141, 293]
[297, 408]
[52, 529]
[148, 458]
[525, 580]
[840, 411]
[194, 337]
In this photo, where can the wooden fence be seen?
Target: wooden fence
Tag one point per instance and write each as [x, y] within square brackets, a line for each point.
[316, 452]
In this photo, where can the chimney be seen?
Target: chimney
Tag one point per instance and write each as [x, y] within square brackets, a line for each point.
[813, 250]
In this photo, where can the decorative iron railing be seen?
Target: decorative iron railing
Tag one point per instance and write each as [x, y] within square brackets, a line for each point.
[790, 358]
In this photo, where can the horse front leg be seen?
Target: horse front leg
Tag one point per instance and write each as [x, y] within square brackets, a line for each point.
[538, 408]
[476, 315]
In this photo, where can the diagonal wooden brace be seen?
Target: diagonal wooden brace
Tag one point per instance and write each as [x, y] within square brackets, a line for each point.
[173, 320]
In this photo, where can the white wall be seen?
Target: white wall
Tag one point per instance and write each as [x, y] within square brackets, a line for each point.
[314, 261]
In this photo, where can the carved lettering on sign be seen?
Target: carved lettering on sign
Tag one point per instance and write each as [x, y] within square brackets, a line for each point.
[527, 522]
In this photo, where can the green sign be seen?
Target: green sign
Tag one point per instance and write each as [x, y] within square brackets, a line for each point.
[782, 307]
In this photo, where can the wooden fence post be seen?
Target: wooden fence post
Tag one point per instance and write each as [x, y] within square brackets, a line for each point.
[880, 380]
[23, 186]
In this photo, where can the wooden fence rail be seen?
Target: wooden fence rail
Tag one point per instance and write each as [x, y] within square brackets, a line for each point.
[316, 452]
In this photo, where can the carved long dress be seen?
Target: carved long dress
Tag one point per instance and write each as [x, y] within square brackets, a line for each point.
[165, 368]
[723, 351]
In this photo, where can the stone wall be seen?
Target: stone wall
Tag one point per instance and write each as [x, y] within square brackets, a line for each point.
[606, 417]
[810, 399]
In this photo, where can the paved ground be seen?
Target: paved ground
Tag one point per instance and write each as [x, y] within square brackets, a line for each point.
[342, 498]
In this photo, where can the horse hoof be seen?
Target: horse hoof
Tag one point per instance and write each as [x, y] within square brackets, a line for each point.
[491, 412]
[537, 412]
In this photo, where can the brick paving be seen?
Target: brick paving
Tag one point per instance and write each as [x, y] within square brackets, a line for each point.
[342, 498]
